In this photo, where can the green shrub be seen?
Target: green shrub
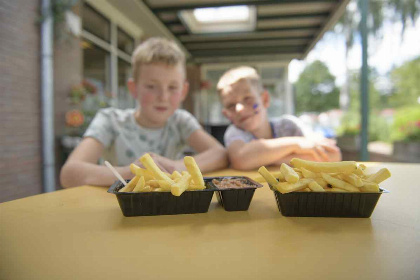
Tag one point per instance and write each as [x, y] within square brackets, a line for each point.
[406, 125]
[378, 127]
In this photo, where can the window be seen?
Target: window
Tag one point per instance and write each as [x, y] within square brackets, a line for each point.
[95, 23]
[124, 73]
[125, 42]
[96, 66]
[107, 52]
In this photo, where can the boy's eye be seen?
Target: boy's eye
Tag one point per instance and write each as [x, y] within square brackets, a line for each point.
[248, 100]
[150, 86]
[230, 107]
[173, 88]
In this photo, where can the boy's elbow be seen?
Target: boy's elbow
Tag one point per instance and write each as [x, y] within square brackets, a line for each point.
[67, 176]
[64, 177]
[223, 157]
[239, 163]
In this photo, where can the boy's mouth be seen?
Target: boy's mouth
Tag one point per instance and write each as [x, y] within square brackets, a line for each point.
[244, 118]
[161, 109]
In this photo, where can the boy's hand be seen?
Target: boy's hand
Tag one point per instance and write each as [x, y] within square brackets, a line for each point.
[168, 165]
[321, 150]
[156, 159]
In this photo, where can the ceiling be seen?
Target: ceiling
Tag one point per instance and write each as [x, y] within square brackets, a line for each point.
[285, 29]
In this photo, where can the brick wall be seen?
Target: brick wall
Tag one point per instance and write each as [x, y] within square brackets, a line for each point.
[20, 113]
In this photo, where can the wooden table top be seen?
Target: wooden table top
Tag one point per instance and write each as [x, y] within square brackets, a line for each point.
[80, 233]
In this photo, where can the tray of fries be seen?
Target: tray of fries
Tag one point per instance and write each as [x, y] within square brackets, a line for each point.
[329, 189]
[153, 192]
[234, 193]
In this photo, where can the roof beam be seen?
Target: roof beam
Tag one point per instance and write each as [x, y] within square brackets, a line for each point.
[247, 51]
[273, 34]
[243, 59]
[299, 16]
[290, 22]
[248, 44]
[209, 4]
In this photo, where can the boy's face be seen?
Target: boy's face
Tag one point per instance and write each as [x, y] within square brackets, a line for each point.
[160, 89]
[244, 106]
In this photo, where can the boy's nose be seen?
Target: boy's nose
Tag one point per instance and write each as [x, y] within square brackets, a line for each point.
[239, 107]
[164, 95]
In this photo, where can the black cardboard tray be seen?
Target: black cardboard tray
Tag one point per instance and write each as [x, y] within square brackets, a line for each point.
[162, 203]
[235, 199]
[327, 204]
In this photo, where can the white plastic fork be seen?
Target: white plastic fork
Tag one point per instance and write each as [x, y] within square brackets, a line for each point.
[115, 173]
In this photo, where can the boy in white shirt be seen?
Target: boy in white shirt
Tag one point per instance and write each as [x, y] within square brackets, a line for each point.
[252, 140]
[157, 126]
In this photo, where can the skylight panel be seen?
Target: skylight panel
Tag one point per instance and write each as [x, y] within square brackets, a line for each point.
[226, 14]
[219, 19]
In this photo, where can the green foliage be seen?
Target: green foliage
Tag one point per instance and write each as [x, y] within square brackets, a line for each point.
[350, 124]
[315, 91]
[406, 126]
[376, 100]
[57, 11]
[405, 10]
[378, 127]
[348, 24]
[406, 79]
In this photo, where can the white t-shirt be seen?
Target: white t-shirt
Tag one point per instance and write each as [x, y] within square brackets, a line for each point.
[284, 126]
[126, 140]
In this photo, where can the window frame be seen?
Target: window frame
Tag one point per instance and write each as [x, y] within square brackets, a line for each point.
[112, 48]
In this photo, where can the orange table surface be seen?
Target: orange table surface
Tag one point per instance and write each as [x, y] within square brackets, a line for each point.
[80, 233]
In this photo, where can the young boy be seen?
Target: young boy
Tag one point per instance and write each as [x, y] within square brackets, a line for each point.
[157, 126]
[252, 140]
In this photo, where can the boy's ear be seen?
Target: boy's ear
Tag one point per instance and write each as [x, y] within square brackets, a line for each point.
[132, 88]
[265, 99]
[185, 89]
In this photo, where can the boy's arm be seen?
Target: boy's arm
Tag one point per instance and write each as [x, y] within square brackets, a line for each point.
[211, 154]
[274, 151]
[81, 167]
[333, 155]
[259, 152]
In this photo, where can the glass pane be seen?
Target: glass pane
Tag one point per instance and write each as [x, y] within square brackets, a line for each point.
[95, 23]
[272, 73]
[211, 109]
[277, 104]
[96, 73]
[125, 42]
[96, 65]
[125, 100]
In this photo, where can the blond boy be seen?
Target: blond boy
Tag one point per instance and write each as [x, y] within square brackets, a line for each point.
[157, 126]
[252, 140]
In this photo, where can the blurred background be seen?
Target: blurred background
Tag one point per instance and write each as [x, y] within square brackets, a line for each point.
[63, 60]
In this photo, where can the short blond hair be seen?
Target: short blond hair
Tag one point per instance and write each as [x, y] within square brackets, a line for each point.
[156, 50]
[237, 74]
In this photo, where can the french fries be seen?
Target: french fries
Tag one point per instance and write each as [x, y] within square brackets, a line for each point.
[326, 167]
[309, 176]
[193, 169]
[152, 179]
[289, 174]
[151, 165]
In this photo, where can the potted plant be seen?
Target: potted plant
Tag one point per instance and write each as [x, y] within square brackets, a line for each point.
[84, 103]
[406, 134]
[348, 138]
